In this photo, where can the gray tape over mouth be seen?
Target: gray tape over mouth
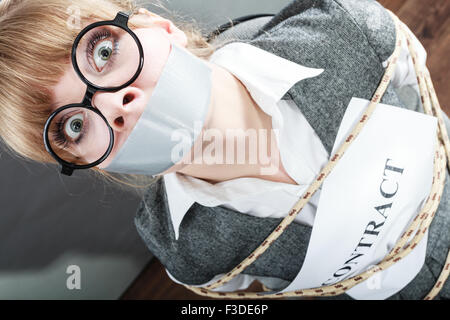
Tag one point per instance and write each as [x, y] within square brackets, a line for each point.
[180, 100]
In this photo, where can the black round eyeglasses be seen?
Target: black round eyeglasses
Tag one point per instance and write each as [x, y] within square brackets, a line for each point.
[107, 56]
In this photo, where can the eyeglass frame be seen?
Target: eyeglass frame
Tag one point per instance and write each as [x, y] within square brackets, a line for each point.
[121, 21]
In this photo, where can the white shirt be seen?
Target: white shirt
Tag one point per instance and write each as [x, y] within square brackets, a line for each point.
[268, 77]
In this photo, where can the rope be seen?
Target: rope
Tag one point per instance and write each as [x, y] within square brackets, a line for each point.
[420, 223]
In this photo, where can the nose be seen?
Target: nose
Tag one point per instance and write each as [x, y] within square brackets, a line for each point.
[119, 108]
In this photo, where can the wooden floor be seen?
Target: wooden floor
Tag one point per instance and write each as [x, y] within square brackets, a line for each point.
[429, 20]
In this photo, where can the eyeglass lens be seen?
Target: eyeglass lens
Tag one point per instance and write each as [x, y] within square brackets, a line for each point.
[108, 56]
[79, 135]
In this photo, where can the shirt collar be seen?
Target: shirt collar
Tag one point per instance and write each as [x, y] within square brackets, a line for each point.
[267, 77]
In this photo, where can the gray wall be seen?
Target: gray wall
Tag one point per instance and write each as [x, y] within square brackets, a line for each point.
[210, 13]
[48, 221]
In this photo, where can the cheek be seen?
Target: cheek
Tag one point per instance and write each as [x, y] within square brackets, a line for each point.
[156, 51]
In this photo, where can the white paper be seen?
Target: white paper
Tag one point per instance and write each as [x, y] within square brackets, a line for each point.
[349, 235]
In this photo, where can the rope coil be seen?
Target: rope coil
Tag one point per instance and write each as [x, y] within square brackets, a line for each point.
[419, 225]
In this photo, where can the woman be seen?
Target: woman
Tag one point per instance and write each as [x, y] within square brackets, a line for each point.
[282, 78]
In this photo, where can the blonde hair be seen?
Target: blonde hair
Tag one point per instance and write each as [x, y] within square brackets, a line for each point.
[35, 46]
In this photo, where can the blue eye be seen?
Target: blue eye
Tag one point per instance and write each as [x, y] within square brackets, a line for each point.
[101, 49]
[102, 54]
[70, 130]
[74, 126]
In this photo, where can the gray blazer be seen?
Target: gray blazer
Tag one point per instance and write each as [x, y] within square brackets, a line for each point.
[349, 39]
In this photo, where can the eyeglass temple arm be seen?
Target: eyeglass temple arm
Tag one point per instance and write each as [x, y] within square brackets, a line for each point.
[68, 171]
[122, 18]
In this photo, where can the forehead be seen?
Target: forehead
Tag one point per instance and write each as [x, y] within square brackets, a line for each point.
[69, 89]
